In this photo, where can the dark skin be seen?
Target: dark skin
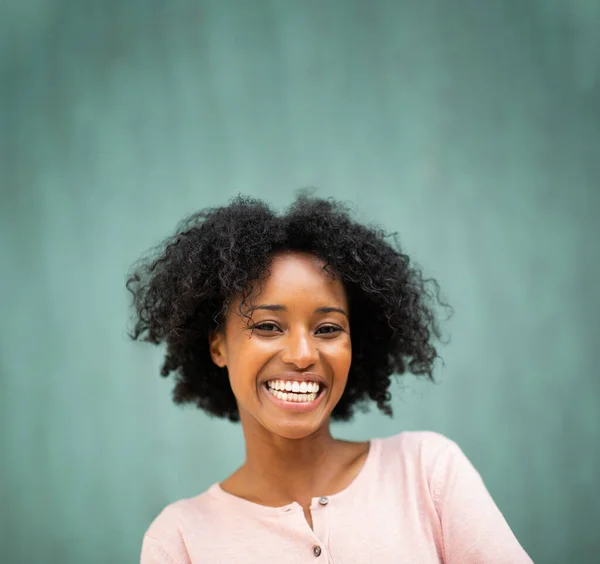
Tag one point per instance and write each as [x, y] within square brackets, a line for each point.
[299, 326]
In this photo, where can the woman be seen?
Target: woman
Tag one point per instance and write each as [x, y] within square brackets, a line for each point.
[284, 323]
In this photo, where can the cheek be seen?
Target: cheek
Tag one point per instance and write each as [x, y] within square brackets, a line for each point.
[249, 358]
[339, 357]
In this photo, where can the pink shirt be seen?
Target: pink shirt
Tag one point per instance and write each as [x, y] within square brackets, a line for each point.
[417, 499]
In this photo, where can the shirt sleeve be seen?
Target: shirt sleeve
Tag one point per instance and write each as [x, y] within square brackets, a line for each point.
[473, 528]
[153, 552]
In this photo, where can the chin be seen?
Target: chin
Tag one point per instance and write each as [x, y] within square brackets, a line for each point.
[295, 430]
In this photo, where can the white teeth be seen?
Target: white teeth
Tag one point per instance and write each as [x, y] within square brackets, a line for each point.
[293, 390]
[291, 397]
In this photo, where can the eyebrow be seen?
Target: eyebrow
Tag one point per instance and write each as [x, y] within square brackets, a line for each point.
[277, 307]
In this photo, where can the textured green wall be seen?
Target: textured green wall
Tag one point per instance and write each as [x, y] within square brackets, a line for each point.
[470, 127]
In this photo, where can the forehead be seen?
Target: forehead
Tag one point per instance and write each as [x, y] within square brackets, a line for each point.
[295, 279]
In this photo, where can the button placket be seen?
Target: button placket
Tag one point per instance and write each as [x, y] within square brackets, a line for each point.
[321, 527]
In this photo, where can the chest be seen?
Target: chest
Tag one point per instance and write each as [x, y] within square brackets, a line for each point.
[362, 532]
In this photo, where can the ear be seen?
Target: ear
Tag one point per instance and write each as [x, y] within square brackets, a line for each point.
[216, 344]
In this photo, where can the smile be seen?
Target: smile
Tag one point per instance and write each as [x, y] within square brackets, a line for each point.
[294, 392]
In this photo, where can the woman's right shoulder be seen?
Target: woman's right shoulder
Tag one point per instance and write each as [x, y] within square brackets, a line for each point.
[177, 515]
[169, 533]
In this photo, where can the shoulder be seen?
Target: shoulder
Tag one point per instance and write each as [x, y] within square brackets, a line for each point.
[432, 469]
[168, 534]
[422, 445]
[430, 462]
[426, 456]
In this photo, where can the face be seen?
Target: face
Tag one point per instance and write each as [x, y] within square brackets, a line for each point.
[298, 337]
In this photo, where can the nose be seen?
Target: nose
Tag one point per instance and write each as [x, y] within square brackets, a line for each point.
[300, 350]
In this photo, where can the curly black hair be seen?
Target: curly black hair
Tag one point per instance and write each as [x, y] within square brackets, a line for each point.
[182, 290]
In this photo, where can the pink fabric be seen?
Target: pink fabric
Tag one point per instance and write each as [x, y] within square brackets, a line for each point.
[417, 499]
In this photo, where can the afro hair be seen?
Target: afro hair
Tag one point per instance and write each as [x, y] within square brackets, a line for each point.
[182, 290]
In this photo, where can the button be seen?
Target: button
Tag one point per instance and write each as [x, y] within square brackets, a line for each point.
[317, 550]
[323, 500]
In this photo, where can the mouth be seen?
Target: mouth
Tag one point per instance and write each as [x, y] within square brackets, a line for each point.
[298, 395]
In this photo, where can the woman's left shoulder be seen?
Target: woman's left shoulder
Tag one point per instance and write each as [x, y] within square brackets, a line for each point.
[424, 448]
[417, 441]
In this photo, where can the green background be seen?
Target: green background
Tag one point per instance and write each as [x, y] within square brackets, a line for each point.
[470, 127]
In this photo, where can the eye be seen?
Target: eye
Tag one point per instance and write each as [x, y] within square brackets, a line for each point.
[267, 327]
[329, 329]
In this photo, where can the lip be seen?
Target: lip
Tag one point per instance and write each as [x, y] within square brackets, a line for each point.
[295, 407]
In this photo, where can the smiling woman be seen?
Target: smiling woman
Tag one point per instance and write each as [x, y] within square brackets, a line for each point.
[284, 323]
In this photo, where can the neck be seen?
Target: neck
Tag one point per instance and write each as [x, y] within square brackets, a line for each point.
[289, 469]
